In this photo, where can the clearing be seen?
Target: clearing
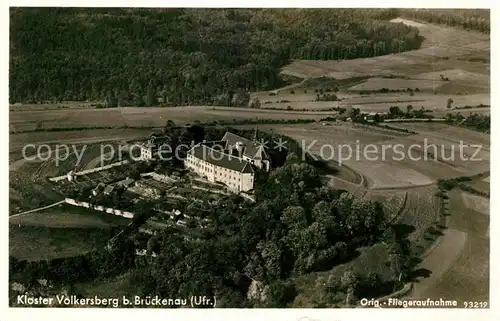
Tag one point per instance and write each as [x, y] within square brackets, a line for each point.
[61, 231]
[477, 203]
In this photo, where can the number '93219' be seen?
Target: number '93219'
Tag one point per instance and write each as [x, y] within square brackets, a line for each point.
[475, 305]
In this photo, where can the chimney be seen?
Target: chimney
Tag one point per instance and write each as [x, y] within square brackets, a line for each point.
[239, 148]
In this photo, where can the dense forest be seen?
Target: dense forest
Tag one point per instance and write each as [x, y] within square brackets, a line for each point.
[144, 57]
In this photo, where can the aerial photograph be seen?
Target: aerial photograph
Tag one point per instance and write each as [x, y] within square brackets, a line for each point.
[249, 158]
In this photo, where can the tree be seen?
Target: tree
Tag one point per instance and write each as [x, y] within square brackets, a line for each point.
[138, 100]
[448, 103]
[294, 217]
[279, 293]
[254, 103]
[271, 254]
[409, 108]
[400, 259]
[111, 100]
[349, 281]
[151, 99]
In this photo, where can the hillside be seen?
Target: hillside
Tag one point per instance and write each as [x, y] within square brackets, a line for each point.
[183, 56]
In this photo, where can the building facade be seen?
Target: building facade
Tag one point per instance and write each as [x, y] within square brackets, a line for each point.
[150, 149]
[230, 161]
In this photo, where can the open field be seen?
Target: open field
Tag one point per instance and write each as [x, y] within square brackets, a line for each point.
[379, 102]
[476, 203]
[393, 160]
[144, 117]
[61, 231]
[41, 243]
[441, 49]
[76, 158]
[396, 84]
[18, 141]
[68, 216]
[464, 252]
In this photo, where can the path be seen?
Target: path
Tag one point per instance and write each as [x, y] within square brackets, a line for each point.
[458, 267]
[37, 209]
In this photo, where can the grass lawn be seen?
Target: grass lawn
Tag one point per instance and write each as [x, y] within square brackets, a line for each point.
[35, 243]
[61, 232]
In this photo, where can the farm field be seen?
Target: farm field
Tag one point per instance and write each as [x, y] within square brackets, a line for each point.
[18, 141]
[61, 231]
[142, 116]
[445, 158]
[69, 160]
[383, 168]
[420, 211]
[68, 216]
[379, 102]
[476, 203]
[395, 160]
[436, 103]
[465, 250]
[348, 142]
[396, 84]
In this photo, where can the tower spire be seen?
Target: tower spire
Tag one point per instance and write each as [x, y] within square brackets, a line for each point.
[255, 135]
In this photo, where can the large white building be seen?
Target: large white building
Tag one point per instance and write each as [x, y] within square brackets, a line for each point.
[230, 161]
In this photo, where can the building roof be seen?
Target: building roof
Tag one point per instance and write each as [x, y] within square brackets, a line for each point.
[99, 186]
[108, 189]
[155, 141]
[250, 148]
[218, 158]
[126, 182]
